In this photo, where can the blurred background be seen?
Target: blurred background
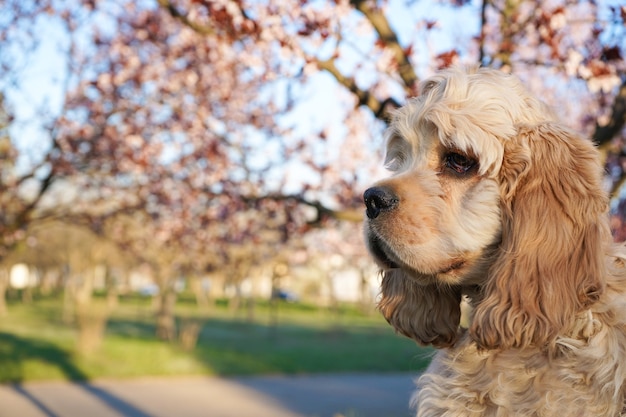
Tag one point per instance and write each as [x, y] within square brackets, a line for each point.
[181, 180]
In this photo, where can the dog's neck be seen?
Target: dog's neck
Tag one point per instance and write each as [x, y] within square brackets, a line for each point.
[582, 327]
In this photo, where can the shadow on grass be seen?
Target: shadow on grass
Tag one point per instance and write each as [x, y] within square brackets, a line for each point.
[229, 347]
[16, 350]
[295, 341]
[134, 329]
[239, 348]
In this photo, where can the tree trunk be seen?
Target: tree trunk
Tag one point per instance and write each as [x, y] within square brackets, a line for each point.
[90, 318]
[91, 321]
[234, 303]
[27, 294]
[49, 278]
[69, 297]
[365, 297]
[188, 335]
[166, 325]
[111, 288]
[202, 298]
[4, 284]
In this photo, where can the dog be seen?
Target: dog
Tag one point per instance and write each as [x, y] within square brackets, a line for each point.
[494, 203]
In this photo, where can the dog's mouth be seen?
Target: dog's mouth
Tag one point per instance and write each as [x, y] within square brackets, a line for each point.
[456, 264]
[376, 248]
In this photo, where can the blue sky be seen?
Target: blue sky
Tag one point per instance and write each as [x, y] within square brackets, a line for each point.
[42, 75]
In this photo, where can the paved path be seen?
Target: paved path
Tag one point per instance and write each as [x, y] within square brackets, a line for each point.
[279, 396]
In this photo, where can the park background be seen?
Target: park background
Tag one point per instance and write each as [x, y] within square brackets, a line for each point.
[181, 181]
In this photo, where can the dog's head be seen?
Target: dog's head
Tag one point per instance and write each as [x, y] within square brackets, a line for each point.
[489, 198]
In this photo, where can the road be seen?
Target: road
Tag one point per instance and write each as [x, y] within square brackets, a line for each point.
[269, 396]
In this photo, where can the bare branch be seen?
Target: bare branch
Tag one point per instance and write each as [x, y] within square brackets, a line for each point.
[481, 41]
[378, 107]
[177, 14]
[388, 37]
[604, 134]
[323, 212]
[617, 186]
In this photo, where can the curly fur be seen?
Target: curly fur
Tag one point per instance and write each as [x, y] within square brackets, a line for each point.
[521, 232]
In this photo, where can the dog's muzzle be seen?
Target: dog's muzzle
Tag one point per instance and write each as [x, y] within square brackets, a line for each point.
[379, 199]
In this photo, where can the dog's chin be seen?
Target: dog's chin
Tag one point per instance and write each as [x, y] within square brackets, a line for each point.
[452, 271]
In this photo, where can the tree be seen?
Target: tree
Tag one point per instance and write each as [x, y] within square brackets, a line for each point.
[80, 259]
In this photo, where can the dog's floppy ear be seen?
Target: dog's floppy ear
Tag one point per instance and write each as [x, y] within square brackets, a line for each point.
[428, 314]
[550, 265]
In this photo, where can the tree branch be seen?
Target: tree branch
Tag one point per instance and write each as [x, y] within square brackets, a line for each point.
[323, 212]
[483, 23]
[604, 134]
[25, 215]
[178, 15]
[378, 107]
[617, 186]
[388, 37]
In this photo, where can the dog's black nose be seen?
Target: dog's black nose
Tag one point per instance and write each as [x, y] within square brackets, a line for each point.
[379, 199]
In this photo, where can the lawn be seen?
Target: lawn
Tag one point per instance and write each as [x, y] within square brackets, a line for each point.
[35, 343]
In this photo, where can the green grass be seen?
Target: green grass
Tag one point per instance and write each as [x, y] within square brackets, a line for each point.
[36, 344]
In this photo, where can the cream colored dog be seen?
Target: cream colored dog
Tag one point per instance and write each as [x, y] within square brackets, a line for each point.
[494, 202]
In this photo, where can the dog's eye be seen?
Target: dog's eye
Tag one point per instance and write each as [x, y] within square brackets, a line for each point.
[459, 163]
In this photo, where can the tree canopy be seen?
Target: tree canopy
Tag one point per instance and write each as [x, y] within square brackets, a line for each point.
[212, 124]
